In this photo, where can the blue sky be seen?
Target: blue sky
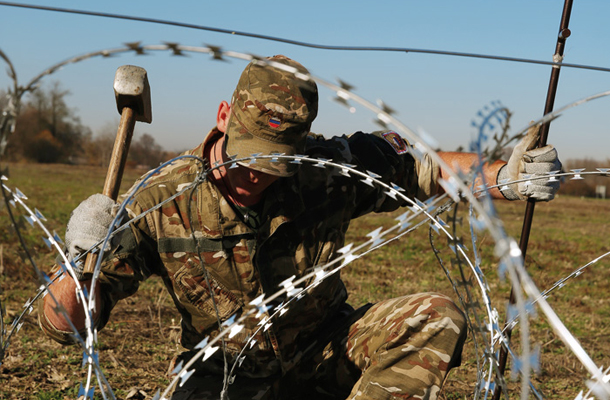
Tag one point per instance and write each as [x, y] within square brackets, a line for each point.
[440, 94]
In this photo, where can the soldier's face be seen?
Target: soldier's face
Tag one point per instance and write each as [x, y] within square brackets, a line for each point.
[248, 182]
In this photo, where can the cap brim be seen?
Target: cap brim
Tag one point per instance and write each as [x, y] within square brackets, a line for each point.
[271, 156]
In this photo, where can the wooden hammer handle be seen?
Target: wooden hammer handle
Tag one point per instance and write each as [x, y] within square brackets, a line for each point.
[119, 154]
[112, 184]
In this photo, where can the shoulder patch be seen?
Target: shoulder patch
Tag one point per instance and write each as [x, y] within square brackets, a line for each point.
[396, 141]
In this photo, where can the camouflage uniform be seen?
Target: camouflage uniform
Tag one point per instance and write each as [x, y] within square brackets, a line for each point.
[307, 216]
[214, 263]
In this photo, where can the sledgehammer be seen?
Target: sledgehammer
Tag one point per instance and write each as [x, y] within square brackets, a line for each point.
[132, 94]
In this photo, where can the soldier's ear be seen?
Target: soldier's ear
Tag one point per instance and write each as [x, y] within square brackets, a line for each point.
[222, 117]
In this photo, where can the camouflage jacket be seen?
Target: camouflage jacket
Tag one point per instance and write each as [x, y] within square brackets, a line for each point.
[305, 218]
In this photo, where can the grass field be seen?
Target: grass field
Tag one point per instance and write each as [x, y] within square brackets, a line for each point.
[142, 335]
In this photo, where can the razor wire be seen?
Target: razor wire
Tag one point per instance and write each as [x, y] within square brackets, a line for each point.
[528, 285]
[341, 93]
[349, 253]
[89, 356]
[452, 186]
[559, 284]
[290, 287]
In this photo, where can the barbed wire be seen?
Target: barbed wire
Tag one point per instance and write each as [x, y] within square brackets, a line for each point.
[90, 356]
[527, 284]
[483, 216]
[291, 286]
[558, 285]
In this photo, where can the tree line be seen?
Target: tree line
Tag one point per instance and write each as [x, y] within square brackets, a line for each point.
[49, 131]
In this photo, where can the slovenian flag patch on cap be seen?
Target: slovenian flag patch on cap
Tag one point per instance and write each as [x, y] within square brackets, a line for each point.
[274, 122]
[396, 141]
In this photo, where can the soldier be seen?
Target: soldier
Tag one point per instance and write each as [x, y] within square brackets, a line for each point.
[244, 230]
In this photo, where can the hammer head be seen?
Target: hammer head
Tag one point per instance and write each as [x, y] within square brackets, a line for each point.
[131, 90]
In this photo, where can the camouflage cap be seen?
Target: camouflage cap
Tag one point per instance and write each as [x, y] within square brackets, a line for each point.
[271, 112]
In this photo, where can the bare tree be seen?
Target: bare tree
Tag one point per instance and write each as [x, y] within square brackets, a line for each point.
[98, 148]
[47, 129]
[146, 152]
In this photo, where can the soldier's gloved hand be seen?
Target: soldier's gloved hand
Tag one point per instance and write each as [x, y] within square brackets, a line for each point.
[88, 224]
[537, 162]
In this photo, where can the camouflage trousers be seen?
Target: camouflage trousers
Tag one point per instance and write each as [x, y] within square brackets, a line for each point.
[401, 348]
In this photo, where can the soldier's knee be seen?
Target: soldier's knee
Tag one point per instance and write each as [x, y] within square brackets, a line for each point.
[443, 308]
[449, 322]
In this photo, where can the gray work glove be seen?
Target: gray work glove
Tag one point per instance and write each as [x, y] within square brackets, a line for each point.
[88, 224]
[526, 161]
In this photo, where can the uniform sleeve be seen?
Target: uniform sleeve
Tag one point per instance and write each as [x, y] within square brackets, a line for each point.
[134, 260]
[131, 262]
[387, 154]
[422, 181]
